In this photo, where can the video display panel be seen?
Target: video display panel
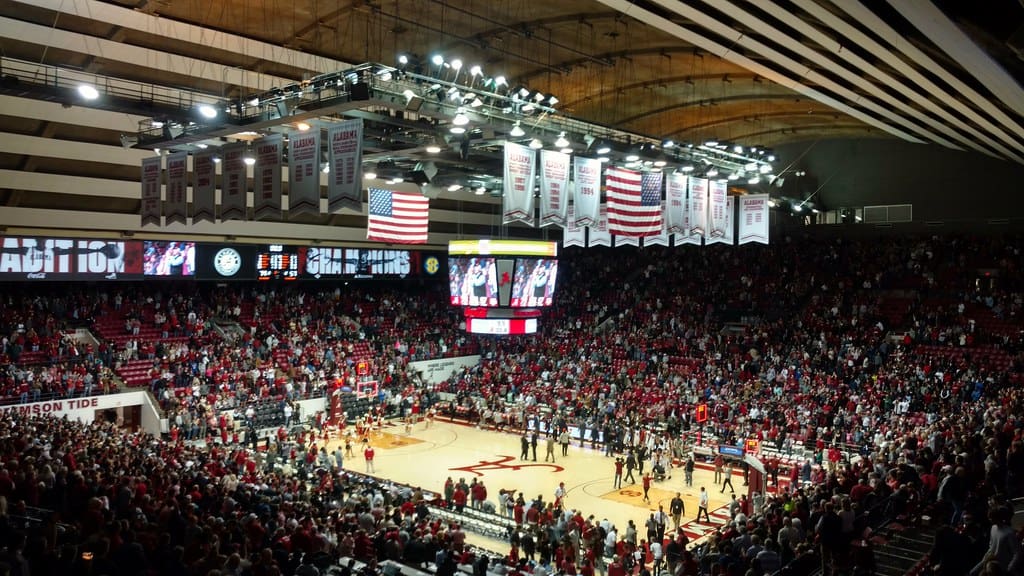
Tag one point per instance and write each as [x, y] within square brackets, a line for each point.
[533, 283]
[279, 262]
[326, 263]
[225, 262]
[473, 281]
[44, 258]
[163, 258]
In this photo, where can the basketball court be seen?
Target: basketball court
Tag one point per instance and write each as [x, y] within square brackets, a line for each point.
[428, 456]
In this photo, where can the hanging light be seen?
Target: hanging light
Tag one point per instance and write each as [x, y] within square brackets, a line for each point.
[303, 126]
[480, 191]
[433, 147]
[90, 93]
[536, 144]
[456, 64]
[475, 70]
[562, 141]
[566, 150]
[765, 168]
[755, 180]
[517, 131]
[455, 187]
[437, 59]
[460, 118]
[712, 173]
[711, 143]
[371, 175]
[249, 159]
[603, 148]
[457, 129]
[687, 168]
[206, 110]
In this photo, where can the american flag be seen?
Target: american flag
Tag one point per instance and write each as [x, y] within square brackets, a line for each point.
[397, 217]
[634, 202]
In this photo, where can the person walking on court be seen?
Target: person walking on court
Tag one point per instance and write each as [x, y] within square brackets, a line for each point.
[525, 443]
[647, 486]
[689, 470]
[563, 439]
[617, 481]
[728, 478]
[533, 444]
[719, 461]
[630, 466]
[368, 456]
[550, 451]
[702, 505]
[677, 508]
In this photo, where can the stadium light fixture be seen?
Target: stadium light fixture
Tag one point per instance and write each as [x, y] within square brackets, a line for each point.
[88, 92]
[517, 131]
[207, 111]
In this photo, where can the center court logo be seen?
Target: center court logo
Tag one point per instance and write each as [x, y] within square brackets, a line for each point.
[502, 464]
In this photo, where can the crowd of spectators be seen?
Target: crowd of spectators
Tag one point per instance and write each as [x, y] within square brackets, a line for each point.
[906, 354]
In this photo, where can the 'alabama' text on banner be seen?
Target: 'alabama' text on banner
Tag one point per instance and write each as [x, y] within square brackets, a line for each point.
[267, 178]
[304, 172]
[675, 203]
[753, 217]
[177, 183]
[204, 183]
[574, 235]
[716, 211]
[345, 163]
[520, 169]
[554, 187]
[234, 183]
[599, 235]
[698, 208]
[587, 193]
[151, 176]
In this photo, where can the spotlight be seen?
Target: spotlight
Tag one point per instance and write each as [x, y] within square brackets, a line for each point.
[552, 101]
[475, 71]
[603, 159]
[765, 168]
[303, 126]
[249, 159]
[798, 208]
[566, 150]
[750, 166]
[562, 141]
[456, 64]
[668, 144]
[711, 173]
[208, 111]
[523, 92]
[633, 156]
[754, 180]
[88, 92]
[460, 119]
[434, 147]
[403, 59]
[254, 102]
[369, 175]
[660, 162]
[457, 130]
[437, 59]
[455, 187]
[476, 103]
[216, 159]
[738, 149]
[603, 148]
[539, 97]
[687, 168]
[536, 144]
[412, 101]
[480, 191]
[771, 203]
[499, 82]
[771, 158]
[517, 131]
[711, 143]
[734, 176]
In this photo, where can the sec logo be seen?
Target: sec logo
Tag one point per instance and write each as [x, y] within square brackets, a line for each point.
[431, 265]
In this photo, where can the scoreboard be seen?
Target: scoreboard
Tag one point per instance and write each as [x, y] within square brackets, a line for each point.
[278, 262]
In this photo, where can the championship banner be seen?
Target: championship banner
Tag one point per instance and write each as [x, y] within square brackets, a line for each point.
[684, 236]
[587, 193]
[717, 195]
[520, 169]
[345, 160]
[753, 219]
[304, 172]
[267, 178]
[204, 182]
[554, 187]
[675, 203]
[234, 183]
[661, 239]
[698, 208]
[599, 235]
[177, 183]
[151, 173]
[727, 236]
[573, 235]
[626, 241]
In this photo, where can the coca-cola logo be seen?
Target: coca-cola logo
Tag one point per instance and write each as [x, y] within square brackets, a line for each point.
[36, 275]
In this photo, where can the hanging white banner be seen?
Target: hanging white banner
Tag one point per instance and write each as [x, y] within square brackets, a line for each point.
[698, 208]
[599, 235]
[345, 162]
[572, 234]
[727, 236]
[234, 183]
[587, 193]
[684, 236]
[716, 210]
[304, 172]
[675, 203]
[554, 187]
[267, 178]
[176, 206]
[204, 184]
[520, 170]
[753, 219]
[151, 176]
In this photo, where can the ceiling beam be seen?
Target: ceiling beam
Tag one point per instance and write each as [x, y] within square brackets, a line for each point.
[661, 51]
[955, 127]
[797, 68]
[198, 35]
[702, 102]
[656, 82]
[927, 17]
[915, 119]
[686, 35]
[159, 62]
[754, 118]
[895, 39]
[809, 128]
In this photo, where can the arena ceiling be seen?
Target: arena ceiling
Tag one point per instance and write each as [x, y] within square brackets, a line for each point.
[759, 73]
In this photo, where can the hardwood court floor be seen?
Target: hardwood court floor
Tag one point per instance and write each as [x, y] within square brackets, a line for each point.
[427, 457]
